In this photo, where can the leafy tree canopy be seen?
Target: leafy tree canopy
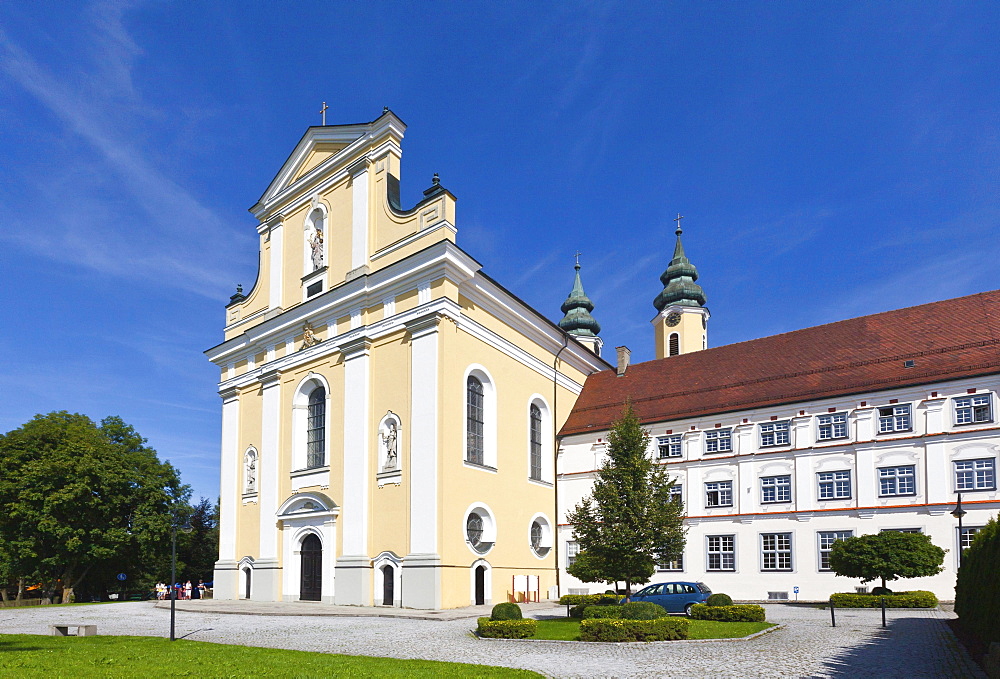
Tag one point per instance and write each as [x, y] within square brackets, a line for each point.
[75, 496]
[629, 520]
[889, 555]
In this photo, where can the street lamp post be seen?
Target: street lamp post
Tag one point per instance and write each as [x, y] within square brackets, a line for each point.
[958, 513]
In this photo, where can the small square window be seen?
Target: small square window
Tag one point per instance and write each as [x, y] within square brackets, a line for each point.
[834, 485]
[832, 426]
[775, 489]
[897, 481]
[676, 493]
[975, 474]
[973, 409]
[894, 418]
[314, 289]
[774, 434]
[719, 441]
[668, 446]
[719, 494]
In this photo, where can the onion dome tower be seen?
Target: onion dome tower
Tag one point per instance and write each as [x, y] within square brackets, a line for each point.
[577, 320]
[681, 324]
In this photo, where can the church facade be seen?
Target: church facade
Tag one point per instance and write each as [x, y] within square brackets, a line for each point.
[364, 380]
[398, 429]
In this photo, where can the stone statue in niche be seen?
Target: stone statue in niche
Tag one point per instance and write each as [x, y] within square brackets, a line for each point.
[309, 338]
[316, 243]
[391, 441]
[251, 463]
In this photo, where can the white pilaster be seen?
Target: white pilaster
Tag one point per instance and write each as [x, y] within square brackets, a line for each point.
[226, 568]
[424, 435]
[359, 220]
[276, 266]
[266, 569]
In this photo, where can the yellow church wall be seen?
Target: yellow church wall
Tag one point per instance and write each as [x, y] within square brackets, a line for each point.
[256, 299]
[248, 535]
[320, 153]
[406, 301]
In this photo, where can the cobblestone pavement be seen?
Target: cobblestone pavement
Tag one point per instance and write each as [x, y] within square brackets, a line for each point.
[915, 644]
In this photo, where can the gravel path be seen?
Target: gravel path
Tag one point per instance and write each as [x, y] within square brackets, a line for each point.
[916, 643]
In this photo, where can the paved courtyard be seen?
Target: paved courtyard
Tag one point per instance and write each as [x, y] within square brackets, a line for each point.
[915, 644]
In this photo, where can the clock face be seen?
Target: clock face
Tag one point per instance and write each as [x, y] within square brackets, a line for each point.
[673, 318]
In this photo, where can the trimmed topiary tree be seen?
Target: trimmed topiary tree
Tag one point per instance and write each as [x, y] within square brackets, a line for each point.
[642, 610]
[886, 556]
[719, 599]
[506, 611]
[977, 592]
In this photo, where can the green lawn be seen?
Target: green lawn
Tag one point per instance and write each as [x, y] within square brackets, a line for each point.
[568, 629]
[23, 655]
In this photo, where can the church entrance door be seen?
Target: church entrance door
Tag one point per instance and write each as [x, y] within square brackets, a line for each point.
[388, 581]
[247, 574]
[311, 586]
[480, 585]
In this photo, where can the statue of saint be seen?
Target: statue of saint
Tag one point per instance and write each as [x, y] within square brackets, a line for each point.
[251, 473]
[316, 243]
[309, 337]
[390, 439]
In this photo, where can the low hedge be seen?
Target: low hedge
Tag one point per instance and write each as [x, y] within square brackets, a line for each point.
[506, 611]
[506, 629]
[734, 613]
[661, 629]
[588, 599]
[643, 610]
[916, 599]
[592, 612]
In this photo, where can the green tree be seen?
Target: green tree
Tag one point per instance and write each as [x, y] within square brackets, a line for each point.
[629, 520]
[199, 549]
[77, 497]
[889, 555]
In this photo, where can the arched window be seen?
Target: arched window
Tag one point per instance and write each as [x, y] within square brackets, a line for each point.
[475, 420]
[535, 418]
[675, 344]
[316, 429]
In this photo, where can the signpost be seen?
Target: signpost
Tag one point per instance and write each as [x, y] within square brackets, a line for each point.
[796, 590]
[122, 578]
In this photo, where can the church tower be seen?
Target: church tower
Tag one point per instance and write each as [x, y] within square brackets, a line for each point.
[681, 324]
[577, 320]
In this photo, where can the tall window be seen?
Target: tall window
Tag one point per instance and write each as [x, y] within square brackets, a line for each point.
[894, 418]
[474, 420]
[719, 441]
[776, 488]
[719, 494]
[774, 434]
[973, 409]
[975, 474]
[776, 552]
[896, 481]
[826, 540]
[966, 537]
[572, 551]
[832, 426]
[675, 344]
[668, 446]
[722, 552]
[316, 429]
[834, 485]
[535, 416]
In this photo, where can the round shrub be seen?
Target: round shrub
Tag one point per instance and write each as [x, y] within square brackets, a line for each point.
[642, 610]
[719, 599]
[506, 611]
[881, 591]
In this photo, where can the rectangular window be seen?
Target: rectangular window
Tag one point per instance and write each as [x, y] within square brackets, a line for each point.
[975, 475]
[826, 540]
[897, 481]
[669, 446]
[973, 409]
[719, 441]
[670, 565]
[966, 536]
[776, 489]
[719, 494]
[894, 418]
[722, 552]
[676, 492]
[832, 426]
[901, 530]
[535, 455]
[774, 434]
[776, 552]
[572, 550]
[834, 485]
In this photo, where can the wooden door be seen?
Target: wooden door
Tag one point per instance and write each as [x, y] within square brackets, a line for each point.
[480, 585]
[311, 588]
[388, 582]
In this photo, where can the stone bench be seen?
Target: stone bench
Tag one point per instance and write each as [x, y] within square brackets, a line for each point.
[81, 630]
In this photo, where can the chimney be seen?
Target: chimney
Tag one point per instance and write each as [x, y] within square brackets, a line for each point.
[623, 356]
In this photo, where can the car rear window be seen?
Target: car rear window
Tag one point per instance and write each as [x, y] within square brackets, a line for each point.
[704, 588]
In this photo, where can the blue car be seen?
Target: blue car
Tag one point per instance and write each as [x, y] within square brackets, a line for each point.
[676, 597]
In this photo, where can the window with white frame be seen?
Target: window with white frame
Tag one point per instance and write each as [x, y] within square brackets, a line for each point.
[676, 493]
[832, 426]
[826, 540]
[480, 529]
[316, 428]
[776, 551]
[719, 494]
[719, 441]
[967, 535]
[475, 420]
[901, 530]
[540, 536]
[894, 418]
[721, 552]
[975, 474]
[774, 434]
[897, 480]
[670, 564]
[572, 551]
[973, 409]
[834, 485]
[668, 446]
[535, 424]
[776, 488]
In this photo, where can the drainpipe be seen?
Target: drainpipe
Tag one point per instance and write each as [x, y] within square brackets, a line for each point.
[555, 459]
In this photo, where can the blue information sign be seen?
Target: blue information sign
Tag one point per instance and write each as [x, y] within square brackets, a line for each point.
[796, 590]
[122, 577]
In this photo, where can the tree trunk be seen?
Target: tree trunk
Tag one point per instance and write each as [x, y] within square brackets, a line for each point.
[20, 589]
[3, 593]
[883, 583]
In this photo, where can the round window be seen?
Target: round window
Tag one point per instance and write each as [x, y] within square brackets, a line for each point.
[536, 537]
[474, 530]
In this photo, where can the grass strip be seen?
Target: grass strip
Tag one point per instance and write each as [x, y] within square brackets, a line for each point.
[25, 655]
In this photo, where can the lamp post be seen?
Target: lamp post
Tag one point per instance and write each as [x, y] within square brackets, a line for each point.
[958, 513]
[173, 573]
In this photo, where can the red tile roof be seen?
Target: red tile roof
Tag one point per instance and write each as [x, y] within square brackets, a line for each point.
[946, 340]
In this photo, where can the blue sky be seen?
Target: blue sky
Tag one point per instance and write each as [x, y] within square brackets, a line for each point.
[831, 160]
